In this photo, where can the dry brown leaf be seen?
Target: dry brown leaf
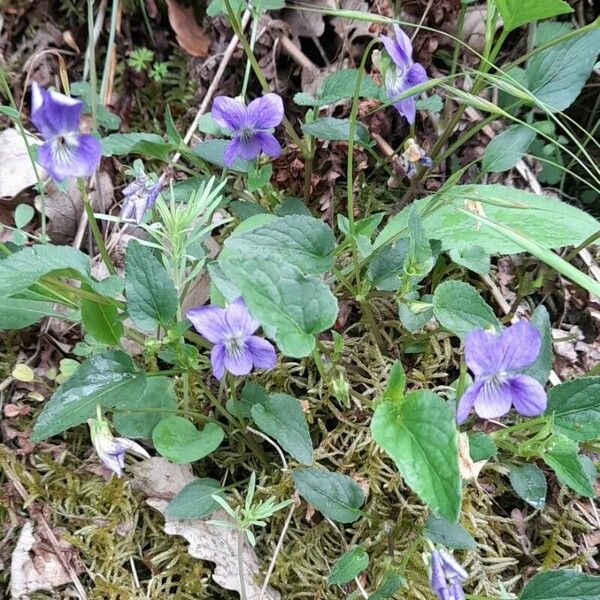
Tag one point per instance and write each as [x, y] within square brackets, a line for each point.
[161, 481]
[34, 569]
[348, 29]
[190, 35]
[16, 170]
[468, 469]
[307, 23]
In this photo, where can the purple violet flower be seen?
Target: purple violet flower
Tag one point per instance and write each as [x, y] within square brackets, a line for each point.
[251, 125]
[446, 576]
[111, 450]
[139, 196]
[404, 74]
[496, 361]
[66, 152]
[231, 330]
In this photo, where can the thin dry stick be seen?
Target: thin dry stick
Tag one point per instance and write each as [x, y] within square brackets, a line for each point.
[278, 547]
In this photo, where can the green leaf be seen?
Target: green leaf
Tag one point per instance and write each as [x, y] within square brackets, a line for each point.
[212, 151]
[540, 369]
[474, 258]
[515, 13]
[386, 266]
[330, 128]
[420, 435]
[557, 75]
[561, 456]
[23, 215]
[419, 259]
[102, 322]
[158, 395]
[292, 307]
[529, 482]
[391, 583]
[339, 85]
[545, 220]
[259, 178]
[334, 495]
[348, 566]
[575, 407]
[481, 446]
[394, 390]
[10, 112]
[252, 393]
[151, 295]
[564, 584]
[195, 500]
[110, 379]
[432, 103]
[16, 313]
[217, 7]
[303, 241]
[23, 268]
[282, 418]
[507, 149]
[413, 314]
[178, 440]
[460, 309]
[450, 535]
[120, 144]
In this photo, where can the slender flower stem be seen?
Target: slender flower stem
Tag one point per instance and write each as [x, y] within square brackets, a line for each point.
[30, 154]
[253, 33]
[94, 227]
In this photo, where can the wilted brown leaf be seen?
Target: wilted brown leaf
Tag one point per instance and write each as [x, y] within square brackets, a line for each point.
[190, 35]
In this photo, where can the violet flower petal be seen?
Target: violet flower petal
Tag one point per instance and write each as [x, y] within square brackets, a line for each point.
[396, 52]
[407, 107]
[217, 360]
[437, 578]
[209, 321]
[75, 155]
[249, 148]
[263, 352]
[238, 361]
[269, 144]
[232, 151]
[416, 75]
[494, 399]
[54, 113]
[483, 353]
[265, 112]
[528, 395]
[239, 321]
[403, 41]
[452, 568]
[229, 113]
[131, 446]
[467, 400]
[520, 345]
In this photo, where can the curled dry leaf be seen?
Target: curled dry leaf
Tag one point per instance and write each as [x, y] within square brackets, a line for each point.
[161, 481]
[16, 170]
[190, 35]
[34, 568]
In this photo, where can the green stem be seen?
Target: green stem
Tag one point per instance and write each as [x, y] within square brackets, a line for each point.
[89, 211]
[30, 154]
[253, 33]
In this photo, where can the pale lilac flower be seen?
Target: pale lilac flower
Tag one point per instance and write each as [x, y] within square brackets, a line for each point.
[139, 196]
[111, 450]
[66, 152]
[446, 576]
[497, 362]
[250, 125]
[231, 330]
[403, 74]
